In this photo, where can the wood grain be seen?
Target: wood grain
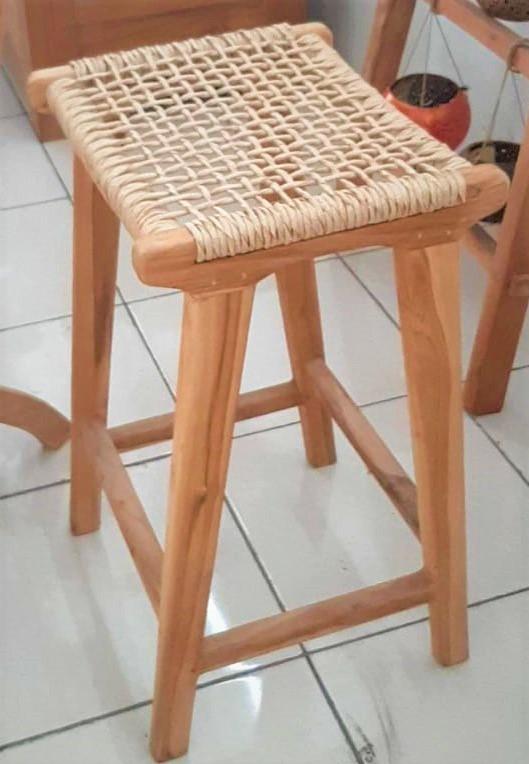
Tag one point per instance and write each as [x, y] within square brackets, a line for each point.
[255, 403]
[134, 524]
[298, 296]
[18, 409]
[316, 620]
[428, 296]
[214, 339]
[387, 41]
[368, 444]
[503, 311]
[96, 232]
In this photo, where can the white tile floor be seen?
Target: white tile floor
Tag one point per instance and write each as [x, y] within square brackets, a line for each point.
[77, 637]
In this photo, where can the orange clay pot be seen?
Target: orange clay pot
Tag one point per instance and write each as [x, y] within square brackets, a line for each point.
[445, 112]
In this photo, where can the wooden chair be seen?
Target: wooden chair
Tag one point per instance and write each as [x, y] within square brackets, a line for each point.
[18, 409]
[229, 159]
[507, 260]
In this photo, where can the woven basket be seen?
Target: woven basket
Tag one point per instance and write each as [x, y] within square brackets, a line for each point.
[511, 10]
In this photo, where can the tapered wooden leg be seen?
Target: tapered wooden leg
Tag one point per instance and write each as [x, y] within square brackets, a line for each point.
[428, 293]
[298, 294]
[215, 330]
[96, 232]
[505, 305]
[387, 41]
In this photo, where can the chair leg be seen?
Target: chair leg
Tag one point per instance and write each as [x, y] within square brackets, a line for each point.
[96, 232]
[428, 293]
[503, 311]
[298, 295]
[495, 346]
[215, 330]
[387, 40]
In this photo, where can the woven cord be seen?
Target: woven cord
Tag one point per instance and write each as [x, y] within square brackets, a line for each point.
[251, 140]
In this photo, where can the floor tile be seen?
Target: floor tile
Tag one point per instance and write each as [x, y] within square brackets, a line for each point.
[328, 531]
[510, 427]
[60, 155]
[375, 269]
[36, 359]
[131, 287]
[78, 636]
[9, 103]
[401, 708]
[27, 175]
[355, 331]
[247, 719]
[129, 284]
[35, 278]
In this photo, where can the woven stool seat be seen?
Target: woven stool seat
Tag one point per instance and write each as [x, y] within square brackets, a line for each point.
[250, 140]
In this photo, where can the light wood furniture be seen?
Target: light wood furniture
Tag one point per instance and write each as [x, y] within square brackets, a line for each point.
[18, 409]
[507, 260]
[218, 294]
[44, 33]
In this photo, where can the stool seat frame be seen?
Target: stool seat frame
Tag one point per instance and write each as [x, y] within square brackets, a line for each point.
[217, 308]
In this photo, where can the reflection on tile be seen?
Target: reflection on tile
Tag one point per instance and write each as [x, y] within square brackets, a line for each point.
[78, 635]
[328, 531]
[27, 176]
[274, 716]
[401, 708]
[36, 359]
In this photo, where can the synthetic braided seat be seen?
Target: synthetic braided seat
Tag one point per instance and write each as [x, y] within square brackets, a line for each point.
[251, 139]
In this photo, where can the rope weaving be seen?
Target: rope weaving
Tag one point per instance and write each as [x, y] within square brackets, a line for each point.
[251, 139]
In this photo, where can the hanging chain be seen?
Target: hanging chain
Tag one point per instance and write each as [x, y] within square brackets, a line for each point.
[509, 70]
[430, 17]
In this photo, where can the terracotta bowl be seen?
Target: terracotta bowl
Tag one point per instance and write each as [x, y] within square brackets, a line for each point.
[435, 103]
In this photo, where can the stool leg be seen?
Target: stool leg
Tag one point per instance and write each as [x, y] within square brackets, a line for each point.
[428, 293]
[215, 330]
[298, 295]
[96, 232]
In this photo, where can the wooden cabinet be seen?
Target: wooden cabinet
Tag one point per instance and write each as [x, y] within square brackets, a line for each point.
[42, 33]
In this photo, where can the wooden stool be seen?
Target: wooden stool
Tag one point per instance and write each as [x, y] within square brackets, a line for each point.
[231, 158]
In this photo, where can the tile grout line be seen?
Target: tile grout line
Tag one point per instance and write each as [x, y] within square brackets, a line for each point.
[416, 621]
[12, 88]
[57, 173]
[500, 450]
[145, 343]
[23, 206]
[473, 418]
[241, 674]
[305, 654]
[371, 294]
[28, 740]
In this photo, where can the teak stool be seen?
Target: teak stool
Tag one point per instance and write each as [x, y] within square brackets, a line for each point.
[228, 159]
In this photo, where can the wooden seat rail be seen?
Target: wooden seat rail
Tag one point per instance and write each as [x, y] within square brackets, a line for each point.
[310, 621]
